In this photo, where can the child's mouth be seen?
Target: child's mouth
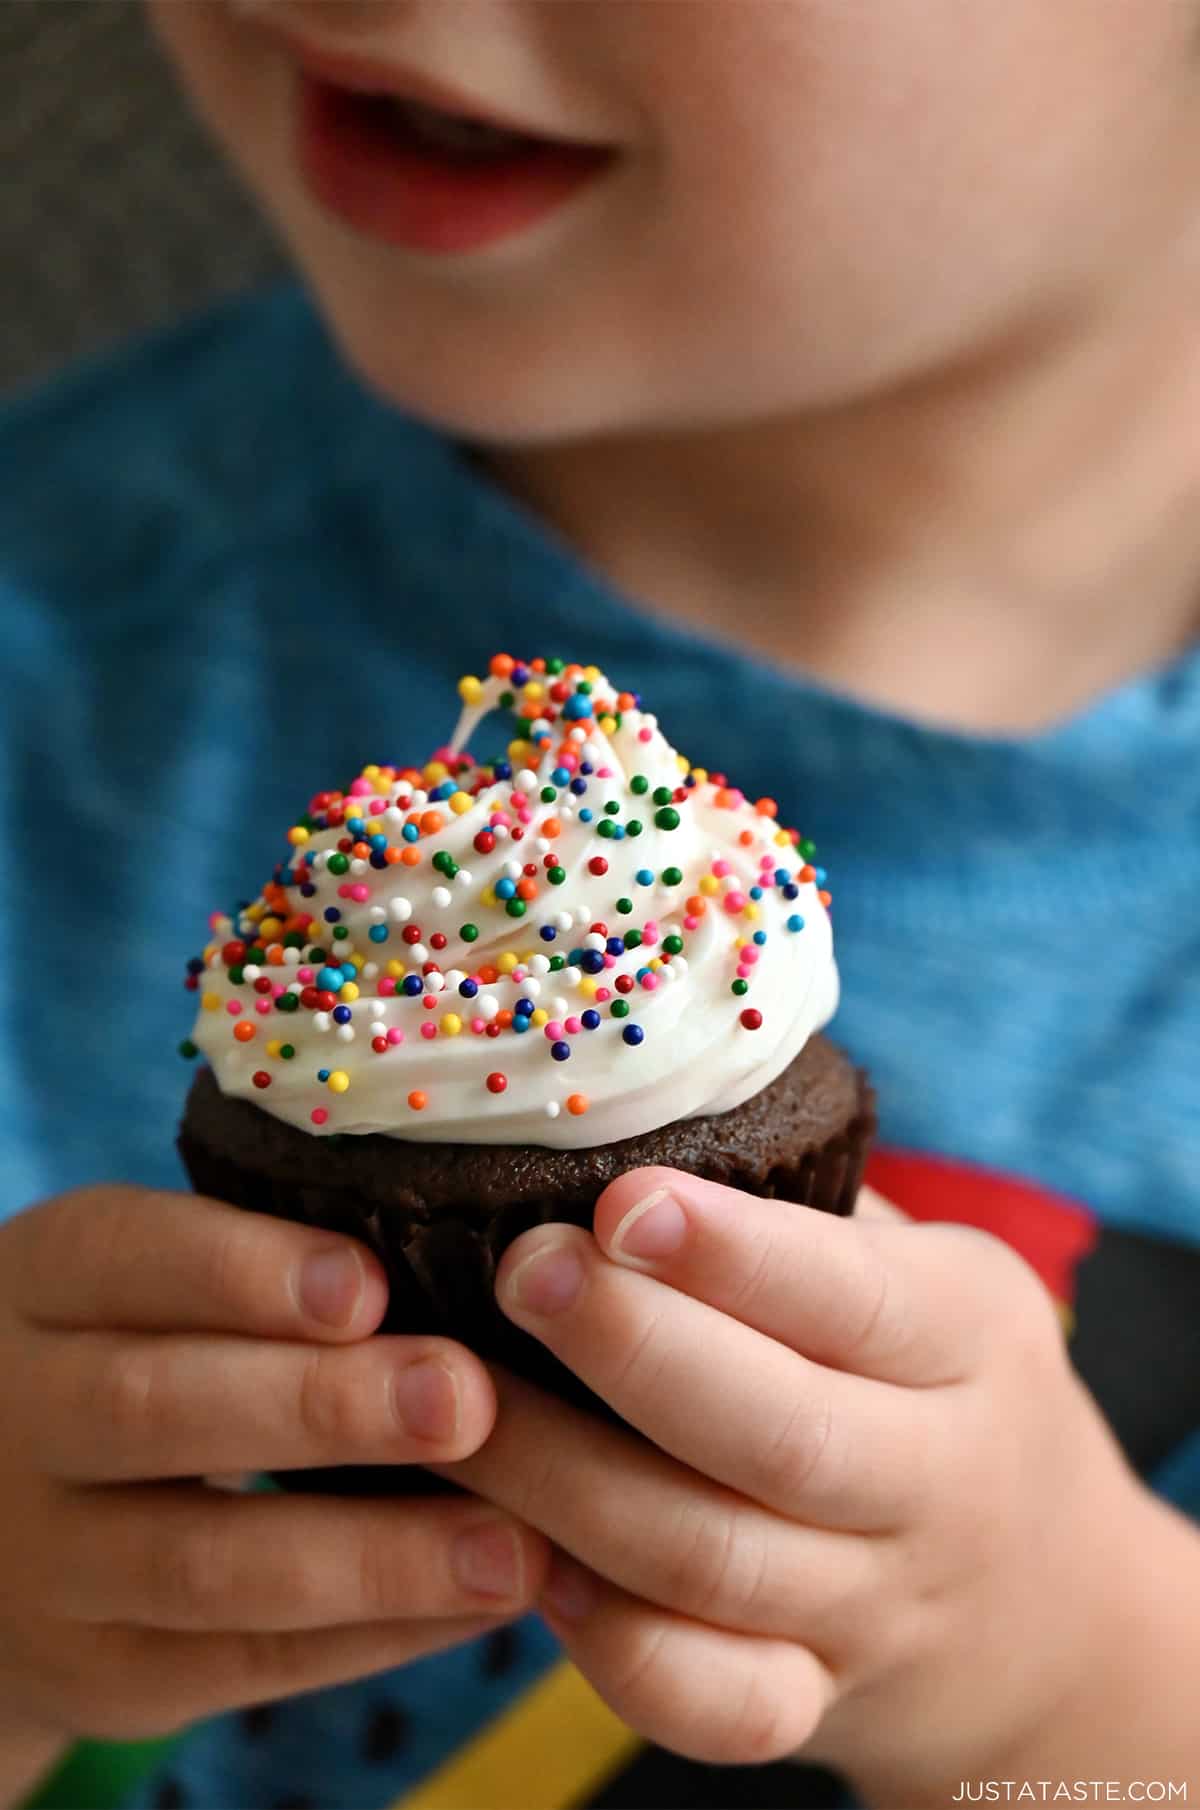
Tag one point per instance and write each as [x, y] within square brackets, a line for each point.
[430, 179]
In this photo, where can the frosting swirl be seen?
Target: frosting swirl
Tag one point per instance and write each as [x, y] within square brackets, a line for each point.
[579, 943]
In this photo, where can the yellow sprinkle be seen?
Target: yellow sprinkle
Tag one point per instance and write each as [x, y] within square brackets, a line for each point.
[655, 963]
[608, 724]
[460, 802]
[742, 942]
[270, 927]
[681, 761]
[298, 834]
[539, 1018]
[254, 912]
[274, 1047]
[348, 993]
[436, 771]
[371, 772]
[339, 1081]
[469, 689]
[700, 775]
[356, 962]
[782, 839]
[533, 691]
[588, 987]
[591, 673]
[750, 911]
[395, 970]
[507, 962]
[451, 1024]
[374, 827]
[520, 750]
[488, 896]
[211, 1002]
[709, 884]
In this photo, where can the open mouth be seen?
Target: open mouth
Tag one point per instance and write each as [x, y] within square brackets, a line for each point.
[429, 178]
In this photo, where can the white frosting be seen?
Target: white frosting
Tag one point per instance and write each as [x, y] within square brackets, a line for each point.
[696, 1055]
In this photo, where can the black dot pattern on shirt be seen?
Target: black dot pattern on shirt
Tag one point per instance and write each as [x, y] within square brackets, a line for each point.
[500, 1650]
[257, 1721]
[385, 1734]
[170, 1796]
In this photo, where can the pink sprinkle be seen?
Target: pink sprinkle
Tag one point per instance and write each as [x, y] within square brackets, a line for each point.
[319, 1115]
[767, 861]
[361, 788]
[394, 1034]
[721, 868]
[644, 735]
[233, 1007]
[387, 987]
[604, 772]
[610, 960]
[734, 902]
[263, 1005]
[553, 1030]
[306, 975]
[277, 987]
[377, 805]
[430, 1001]
[344, 890]
[651, 923]
[649, 981]
[749, 954]
[428, 1029]
[569, 760]
[603, 995]
[572, 1026]
[360, 893]
[649, 936]
[479, 1026]
[744, 972]
[691, 923]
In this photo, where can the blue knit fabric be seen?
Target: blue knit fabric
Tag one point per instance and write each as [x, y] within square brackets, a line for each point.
[228, 577]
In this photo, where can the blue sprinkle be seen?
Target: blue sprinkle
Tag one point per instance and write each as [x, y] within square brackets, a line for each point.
[586, 767]
[576, 707]
[592, 961]
[519, 674]
[379, 842]
[579, 787]
[560, 777]
[633, 1033]
[322, 1074]
[378, 858]
[520, 1024]
[342, 1014]
[619, 832]
[782, 876]
[412, 984]
[585, 816]
[821, 875]
[756, 892]
[332, 914]
[548, 933]
[760, 937]
[378, 933]
[410, 832]
[468, 988]
[506, 889]
[575, 959]
[349, 971]
[355, 825]
[308, 890]
[791, 890]
[615, 945]
[795, 922]
[560, 1051]
[590, 1020]
[196, 965]
[502, 770]
[523, 1007]
[644, 877]
[330, 980]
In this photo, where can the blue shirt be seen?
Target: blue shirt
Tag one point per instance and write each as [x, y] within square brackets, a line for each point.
[228, 577]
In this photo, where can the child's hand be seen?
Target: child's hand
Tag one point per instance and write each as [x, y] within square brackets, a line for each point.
[878, 1515]
[149, 1340]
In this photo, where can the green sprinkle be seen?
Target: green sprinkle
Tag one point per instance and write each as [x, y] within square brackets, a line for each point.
[673, 945]
[287, 1002]
[633, 827]
[663, 795]
[548, 794]
[585, 686]
[639, 784]
[633, 939]
[557, 875]
[340, 933]
[287, 1051]
[557, 963]
[445, 863]
[671, 876]
[338, 864]
[516, 908]
[624, 906]
[667, 818]
[606, 828]
[507, 699]
[808, 849]
[316, 955]
[469, 932]
[612, 807]
[739, 987]
[237, 976]
[293, 940]
[188, 1049]
[619, 1008]
[554, 666]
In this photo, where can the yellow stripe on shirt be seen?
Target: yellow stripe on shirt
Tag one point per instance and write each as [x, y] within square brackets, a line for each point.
[550, 1750]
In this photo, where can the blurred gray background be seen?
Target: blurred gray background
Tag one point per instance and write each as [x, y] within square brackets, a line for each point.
[114, 213]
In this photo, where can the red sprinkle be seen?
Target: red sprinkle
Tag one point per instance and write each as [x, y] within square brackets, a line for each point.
[751, 1018]
[261, 1078]
[497, 1083]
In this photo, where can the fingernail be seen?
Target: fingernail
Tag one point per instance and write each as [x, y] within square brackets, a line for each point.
[656, 1227]
[331, 1284]
[487, 1560]
[569, 1590]
[547, 1282]
[426, 1398]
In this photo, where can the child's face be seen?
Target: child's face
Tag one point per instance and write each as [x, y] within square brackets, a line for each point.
[810, 199]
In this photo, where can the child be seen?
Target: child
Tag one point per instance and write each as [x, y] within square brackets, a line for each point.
[831, 370]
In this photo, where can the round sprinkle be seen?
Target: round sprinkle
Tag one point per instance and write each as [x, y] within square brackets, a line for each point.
[338, 1081]
[639, 784]
[597, 865]
[667, 818]
[633, 1034]
[318, 1115]
[417, 1100]
[496, 1082]
[261, 1078]
[740, 987]
[560, 1051]
[751, 1019]
[795, 922]
[577, 1104]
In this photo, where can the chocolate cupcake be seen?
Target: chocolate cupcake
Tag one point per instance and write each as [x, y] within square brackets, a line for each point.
[475, 994]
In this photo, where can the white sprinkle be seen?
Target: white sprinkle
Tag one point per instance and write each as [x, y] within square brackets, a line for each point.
[678, 966]
[377, 914]
[345, 1033]
[573, 976]
[582, 914]
[499, 831]
[559, 1006]
[291, 957]
[297, 987]
[400, 910]
[593, 940]
[539, 964]
[418, 799]
[577, 735]
[563, 920]
[435, 983]
[442, 897]
[393, 815]
[418, 953]
[544, 845]
[454, 977]
[358, 865]
[486, 1006]
[532, 987]
[463, 878]
[552, 1109]
[321, 1021]
[251, 971]
[370, 970]
[526, 780]
[376, 1008]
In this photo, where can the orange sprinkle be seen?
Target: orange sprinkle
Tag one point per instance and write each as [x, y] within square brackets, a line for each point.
[488, 975]
[392, 854]
[432, 822]
[362, 850]
[500, 665]
[577, 1103]
[697, 906]
[275, 955]
[766, 807]
[410, 856]
[538, 665]
[527, 889]
[625, 701]
[552, 828]
[504, 1018]
[808, 873]
[723, 798]
[746, 838]
[417, 1100]
[244, 1031]
[826, 898]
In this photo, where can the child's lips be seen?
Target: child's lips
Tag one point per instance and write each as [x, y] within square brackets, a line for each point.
[408, 161]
